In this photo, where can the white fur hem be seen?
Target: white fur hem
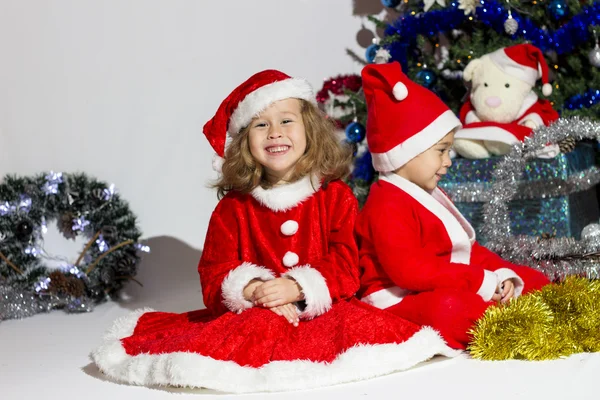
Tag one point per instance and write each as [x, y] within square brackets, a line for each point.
[488, 286]
[314, 287]
[285, 197]
[194, 370]
[261, 98]
[233, 285]
[493, 133]
[507, 273]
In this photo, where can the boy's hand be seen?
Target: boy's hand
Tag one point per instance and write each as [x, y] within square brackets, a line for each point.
[277, 292]
[508, 290]
[288, 311]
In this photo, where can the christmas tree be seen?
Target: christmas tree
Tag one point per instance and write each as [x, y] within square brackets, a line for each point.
[434, 40]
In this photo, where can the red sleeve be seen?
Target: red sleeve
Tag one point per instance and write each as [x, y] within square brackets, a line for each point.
[223, 275]
[411, 265]
[491, 261]
[336, 275]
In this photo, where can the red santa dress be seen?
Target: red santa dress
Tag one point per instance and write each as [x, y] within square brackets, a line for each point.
[421, 262]
[303, 231]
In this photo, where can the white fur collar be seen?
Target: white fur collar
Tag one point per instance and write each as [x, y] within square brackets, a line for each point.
[285, 197]
[460, 232]
[529, 100]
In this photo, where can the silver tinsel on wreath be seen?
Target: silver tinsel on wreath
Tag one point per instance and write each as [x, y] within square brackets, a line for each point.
[16, 303]
[556, 257]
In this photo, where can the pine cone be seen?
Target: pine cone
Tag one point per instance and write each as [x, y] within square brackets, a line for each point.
[567, 145]
[547, 236]
[65, 225]
[65, 285]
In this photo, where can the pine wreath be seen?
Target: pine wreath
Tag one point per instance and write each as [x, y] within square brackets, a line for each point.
[80, 205]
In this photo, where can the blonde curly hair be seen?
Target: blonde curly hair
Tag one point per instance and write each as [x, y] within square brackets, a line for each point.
[325, 156]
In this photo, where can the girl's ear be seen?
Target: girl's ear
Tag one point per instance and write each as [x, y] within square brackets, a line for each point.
[471, 69]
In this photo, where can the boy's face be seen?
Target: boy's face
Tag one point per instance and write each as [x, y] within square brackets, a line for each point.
[428, 168]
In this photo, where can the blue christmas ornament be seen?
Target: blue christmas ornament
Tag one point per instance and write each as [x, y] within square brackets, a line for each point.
[370, 53]
[390, 3]
[558, 8]
[426, 77]
[355, 132]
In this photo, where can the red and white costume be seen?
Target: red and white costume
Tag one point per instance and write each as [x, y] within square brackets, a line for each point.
[538, 110]
[418, 254]
[526, 63]
[304, 231]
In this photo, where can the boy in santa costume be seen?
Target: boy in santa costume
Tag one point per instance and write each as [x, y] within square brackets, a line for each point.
[418, 254]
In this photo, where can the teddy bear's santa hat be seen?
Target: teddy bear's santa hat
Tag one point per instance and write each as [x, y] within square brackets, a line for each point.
[404, 119]
[524, 62]
[248, 100]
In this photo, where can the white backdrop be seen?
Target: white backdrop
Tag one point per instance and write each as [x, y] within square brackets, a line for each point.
[120, 89]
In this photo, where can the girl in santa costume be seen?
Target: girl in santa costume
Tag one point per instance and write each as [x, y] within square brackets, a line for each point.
[418, 253]
[279, 267]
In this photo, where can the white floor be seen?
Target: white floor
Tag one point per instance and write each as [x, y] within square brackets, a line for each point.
[46, 356]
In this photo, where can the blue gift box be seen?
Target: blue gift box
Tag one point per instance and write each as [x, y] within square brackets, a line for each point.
[556, 196]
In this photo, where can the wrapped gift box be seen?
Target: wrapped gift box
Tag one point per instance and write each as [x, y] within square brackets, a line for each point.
[556, 196]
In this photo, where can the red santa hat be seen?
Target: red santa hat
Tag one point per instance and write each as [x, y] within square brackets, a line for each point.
[524, 62]
[404, 118]
[248, 100]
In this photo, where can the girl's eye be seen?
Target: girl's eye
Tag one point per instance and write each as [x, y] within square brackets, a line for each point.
[285, 121]
[260, 125]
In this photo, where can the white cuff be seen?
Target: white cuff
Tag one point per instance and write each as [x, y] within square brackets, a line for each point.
[315, 290]
[507, 273]
[488, 286]
[232, 288]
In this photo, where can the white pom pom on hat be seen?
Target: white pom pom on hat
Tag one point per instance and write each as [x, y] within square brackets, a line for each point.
[400, 91]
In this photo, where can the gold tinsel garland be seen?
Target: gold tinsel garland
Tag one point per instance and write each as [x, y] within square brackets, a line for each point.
[557, 321]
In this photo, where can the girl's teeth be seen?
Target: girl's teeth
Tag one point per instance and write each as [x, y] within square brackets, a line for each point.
[277, 149]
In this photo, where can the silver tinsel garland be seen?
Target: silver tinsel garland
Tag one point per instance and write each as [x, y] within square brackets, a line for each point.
[556, 257]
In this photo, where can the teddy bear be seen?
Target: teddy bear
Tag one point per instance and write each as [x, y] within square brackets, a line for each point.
[502, 108]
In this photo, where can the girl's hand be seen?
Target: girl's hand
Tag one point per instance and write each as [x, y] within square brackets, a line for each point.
[288, 311]
[278, 292]
[508, 291]
[248, 291]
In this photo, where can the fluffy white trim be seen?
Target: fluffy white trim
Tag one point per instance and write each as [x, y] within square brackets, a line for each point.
[387, 297]
[489, 286]
[260, 99]
[507, 273]
[285, 197]
[393, 159]
[194, 370]
[234, 283]
[494, 133]
[289, 227]
[290, 259]
[511, 67]
[314, 287]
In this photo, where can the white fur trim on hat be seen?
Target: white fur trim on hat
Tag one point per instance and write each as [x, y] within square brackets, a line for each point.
[290, 259]
[509, 66]
[260, 99]
[289, 227]
[416, 144]
[400, 91]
